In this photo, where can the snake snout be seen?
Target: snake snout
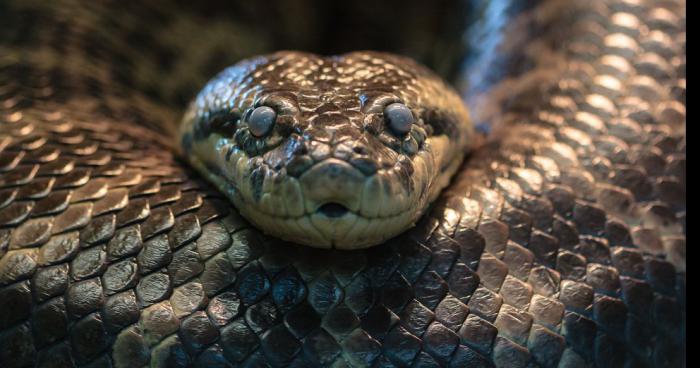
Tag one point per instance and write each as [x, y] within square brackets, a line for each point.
[332, 187]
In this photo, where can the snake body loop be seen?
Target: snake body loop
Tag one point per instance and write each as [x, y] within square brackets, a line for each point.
[559, 241]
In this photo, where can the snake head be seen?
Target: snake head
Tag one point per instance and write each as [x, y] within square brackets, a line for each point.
[344, 151]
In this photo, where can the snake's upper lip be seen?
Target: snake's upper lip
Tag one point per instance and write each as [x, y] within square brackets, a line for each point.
[332, 181]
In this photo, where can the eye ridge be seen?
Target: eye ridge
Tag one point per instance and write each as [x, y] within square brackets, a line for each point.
[399, 118]
[261, 120]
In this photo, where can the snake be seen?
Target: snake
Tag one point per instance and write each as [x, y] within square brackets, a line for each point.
[345, 211]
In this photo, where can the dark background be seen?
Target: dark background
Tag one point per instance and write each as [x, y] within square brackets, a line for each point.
[429, 31]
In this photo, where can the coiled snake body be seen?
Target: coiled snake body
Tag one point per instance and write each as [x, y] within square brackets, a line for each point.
[559, 242]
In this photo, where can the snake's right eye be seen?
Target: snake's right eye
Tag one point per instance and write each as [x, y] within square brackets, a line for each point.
[261, 120]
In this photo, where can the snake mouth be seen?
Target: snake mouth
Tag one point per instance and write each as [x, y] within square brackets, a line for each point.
[333, 210]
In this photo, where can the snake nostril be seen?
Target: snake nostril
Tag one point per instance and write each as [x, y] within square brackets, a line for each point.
[333, 209]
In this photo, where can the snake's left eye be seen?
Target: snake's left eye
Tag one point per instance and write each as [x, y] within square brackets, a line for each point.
[399, 117]
[261, 120]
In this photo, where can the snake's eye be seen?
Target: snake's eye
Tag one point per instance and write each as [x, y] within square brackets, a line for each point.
[261, 120]
[399, 118]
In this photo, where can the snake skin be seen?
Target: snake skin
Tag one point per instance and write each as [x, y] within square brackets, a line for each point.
[560, 243]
